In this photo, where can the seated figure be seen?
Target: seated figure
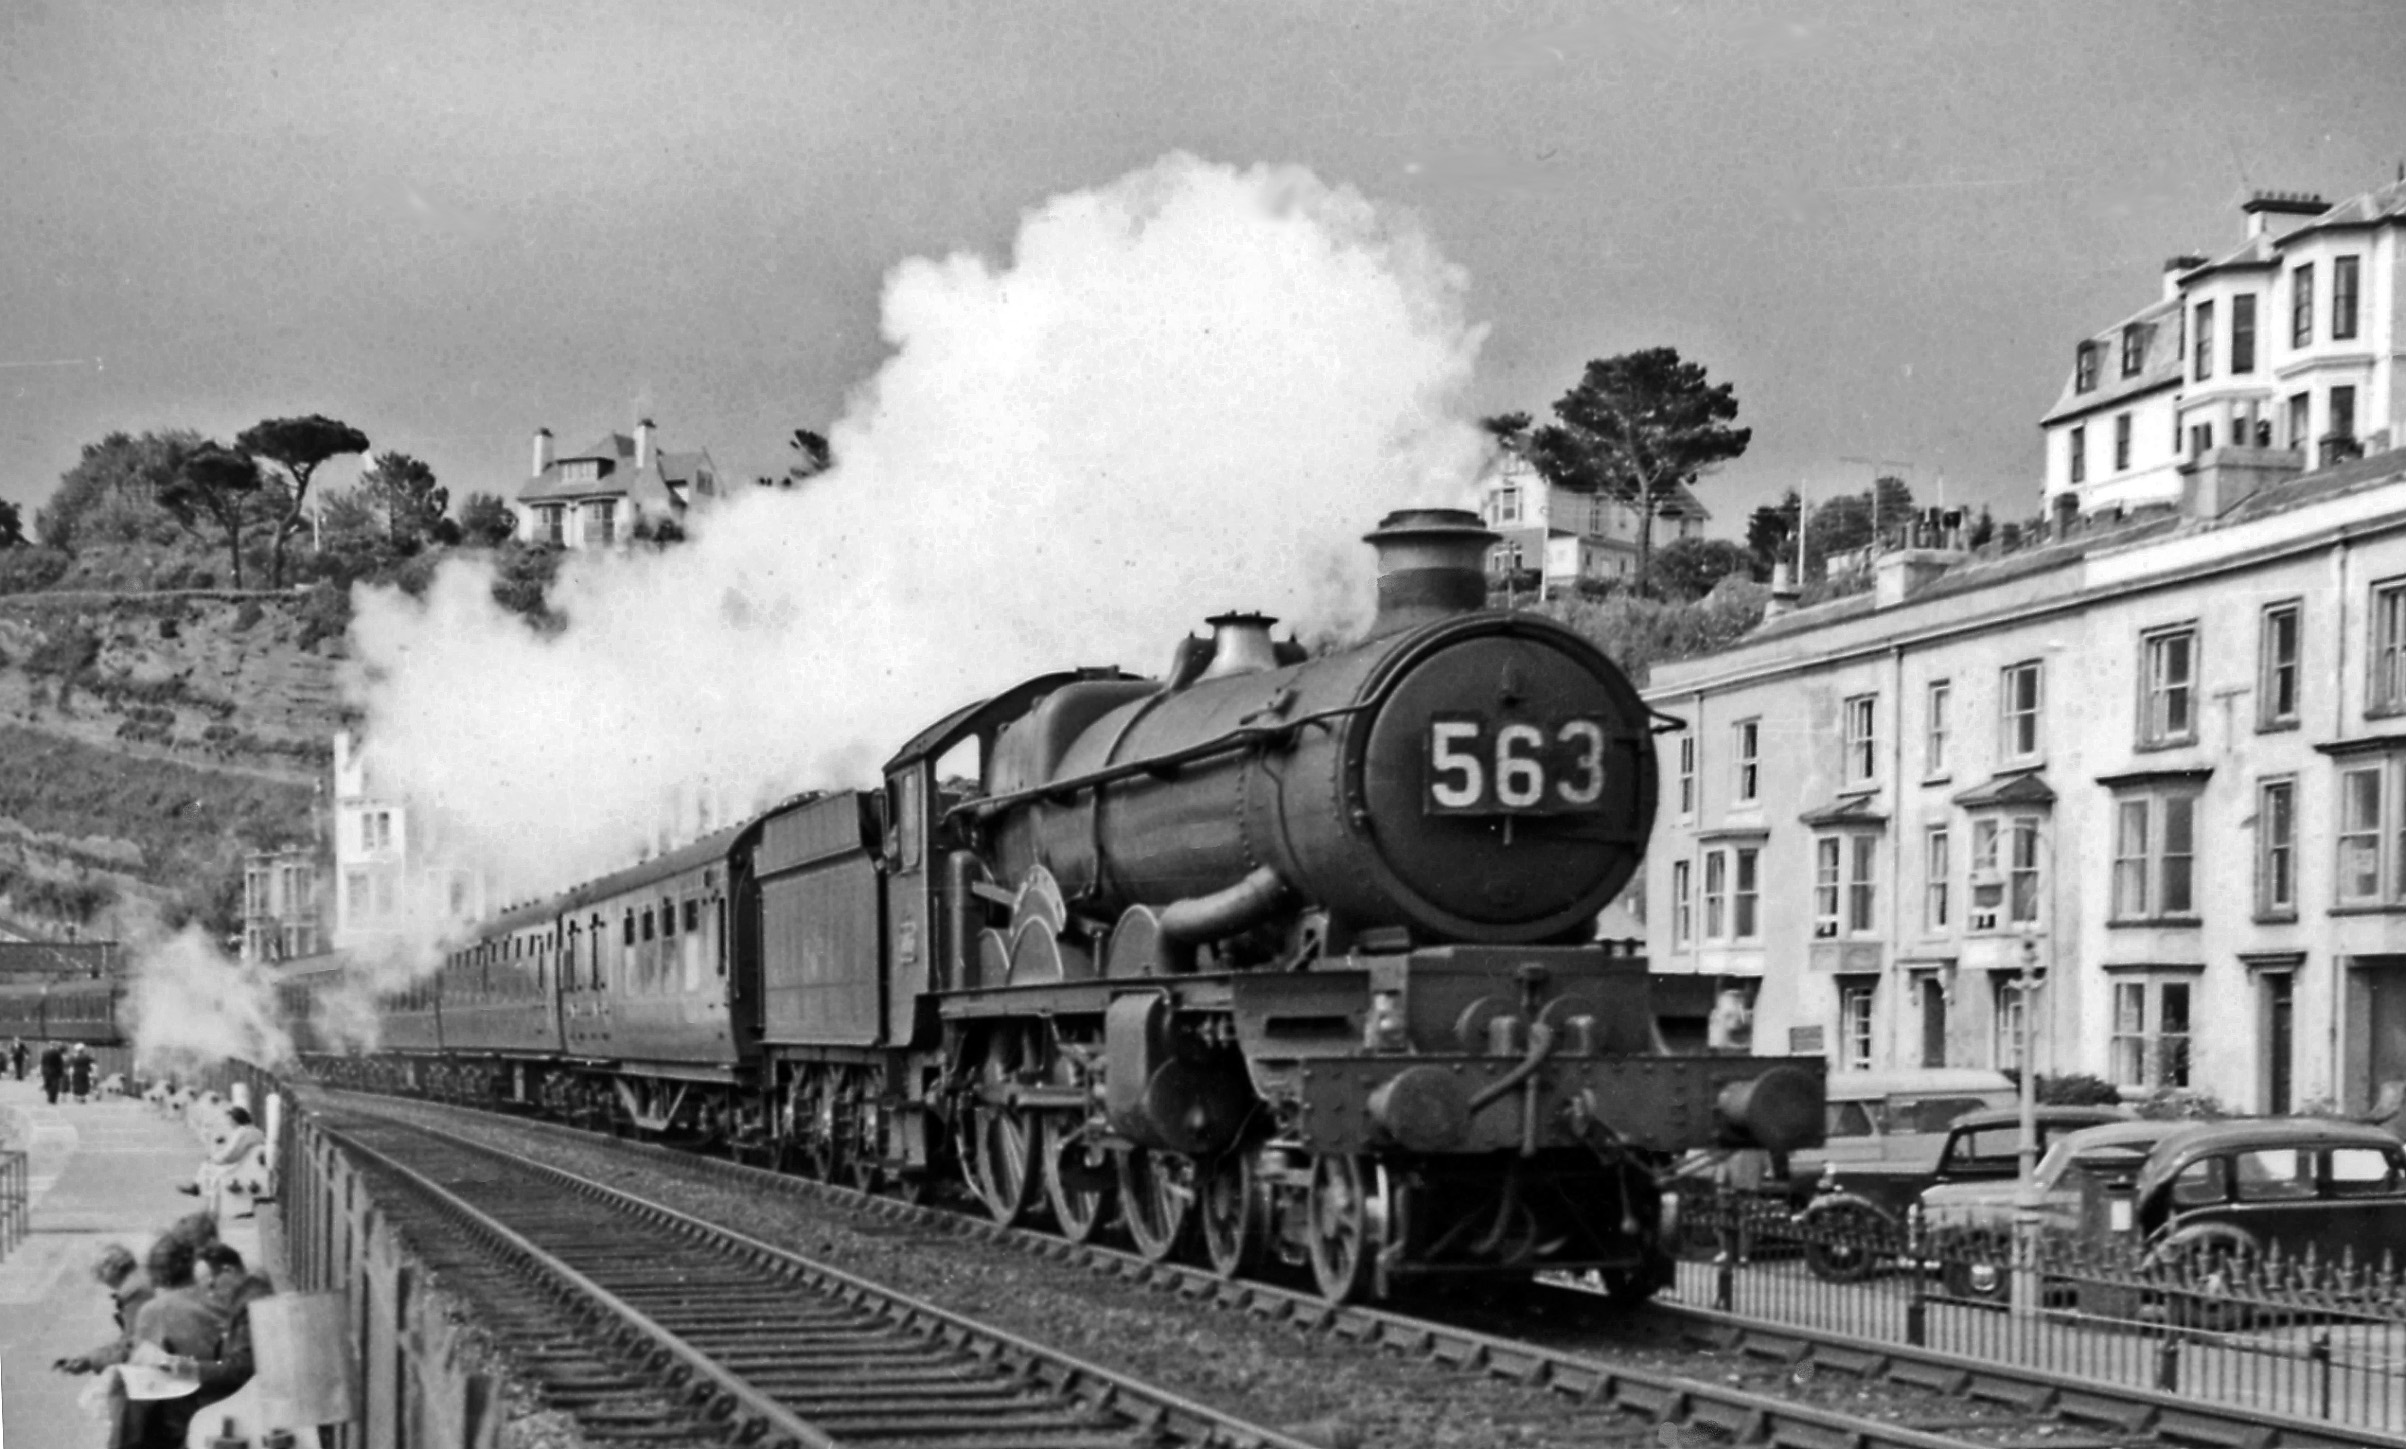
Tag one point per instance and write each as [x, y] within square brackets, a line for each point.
[235, 1174]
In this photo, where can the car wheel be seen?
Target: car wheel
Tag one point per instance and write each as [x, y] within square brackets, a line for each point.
[1975, 1269]
[1844, 1245]
[2206, 1275]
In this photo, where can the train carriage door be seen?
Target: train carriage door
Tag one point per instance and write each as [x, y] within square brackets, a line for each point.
[909, 942]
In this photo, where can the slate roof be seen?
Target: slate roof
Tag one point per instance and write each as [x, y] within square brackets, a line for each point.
[667, 483]
[2384, 203]
[2159, 366]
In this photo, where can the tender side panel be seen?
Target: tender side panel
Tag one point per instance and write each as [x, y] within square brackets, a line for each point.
[820, 899]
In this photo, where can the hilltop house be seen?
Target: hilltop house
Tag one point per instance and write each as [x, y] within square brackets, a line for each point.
[599, 496]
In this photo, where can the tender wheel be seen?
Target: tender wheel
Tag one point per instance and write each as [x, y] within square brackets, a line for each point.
[997, 1156]
[823, 1151]
[1078, 1179]
[1346, 1225]
[858, 1131]
[1236, 1213]
[1156, 1200]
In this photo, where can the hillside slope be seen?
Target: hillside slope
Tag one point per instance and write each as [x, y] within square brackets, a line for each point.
[148, 741]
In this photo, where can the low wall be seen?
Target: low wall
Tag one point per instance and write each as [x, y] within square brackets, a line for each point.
[424, 1369]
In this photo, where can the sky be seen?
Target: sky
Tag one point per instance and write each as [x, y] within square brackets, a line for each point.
[450, 222]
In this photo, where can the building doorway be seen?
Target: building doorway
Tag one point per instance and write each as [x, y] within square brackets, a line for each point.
[2279, 1016]
[1933, 1020]
[2376, 1027]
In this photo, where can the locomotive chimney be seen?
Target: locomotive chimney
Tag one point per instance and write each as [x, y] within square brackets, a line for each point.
[1240, 644]
[1431, 563]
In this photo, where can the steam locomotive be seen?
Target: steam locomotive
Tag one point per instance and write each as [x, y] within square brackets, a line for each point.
[1274, 957]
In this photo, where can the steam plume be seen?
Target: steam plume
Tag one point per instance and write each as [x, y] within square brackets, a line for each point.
[1192, 389]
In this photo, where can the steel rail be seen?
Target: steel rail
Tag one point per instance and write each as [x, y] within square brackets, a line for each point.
[2154, 1414]
[1662, 1398]
[1069, 1379]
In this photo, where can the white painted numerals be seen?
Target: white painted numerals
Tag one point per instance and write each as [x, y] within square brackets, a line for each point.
[1518, 768]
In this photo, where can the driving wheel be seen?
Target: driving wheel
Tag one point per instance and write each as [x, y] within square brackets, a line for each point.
[1156, 1200]
[1346, 1224]
[997, 1156]
[1235, 1212]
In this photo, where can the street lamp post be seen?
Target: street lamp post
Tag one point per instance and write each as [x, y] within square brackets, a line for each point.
[2025, 1195]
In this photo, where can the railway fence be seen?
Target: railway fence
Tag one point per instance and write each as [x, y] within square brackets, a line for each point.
[2304, 1337]
[16, 1199]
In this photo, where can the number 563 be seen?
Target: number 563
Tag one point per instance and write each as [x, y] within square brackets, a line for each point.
[1520, 767]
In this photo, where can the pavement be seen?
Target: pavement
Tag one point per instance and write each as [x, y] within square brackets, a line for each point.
[103, 1172]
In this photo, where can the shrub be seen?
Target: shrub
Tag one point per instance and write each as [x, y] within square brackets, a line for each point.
[30, 570]
[2184, 1103]
[66, 651]
[325, 614]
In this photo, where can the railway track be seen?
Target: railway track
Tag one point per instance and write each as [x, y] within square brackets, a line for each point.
[1924, 1400]
[681, 1332]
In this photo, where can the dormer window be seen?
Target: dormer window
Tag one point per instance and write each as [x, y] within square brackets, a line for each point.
[2134, 349]
[2084, 368]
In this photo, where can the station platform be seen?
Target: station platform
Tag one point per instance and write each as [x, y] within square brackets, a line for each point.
[103, 1172]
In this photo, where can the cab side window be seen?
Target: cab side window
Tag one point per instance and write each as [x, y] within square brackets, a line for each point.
[2201, 1182]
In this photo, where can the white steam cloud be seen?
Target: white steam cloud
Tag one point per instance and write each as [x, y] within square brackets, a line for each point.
[1187, 391]
[189, 1005]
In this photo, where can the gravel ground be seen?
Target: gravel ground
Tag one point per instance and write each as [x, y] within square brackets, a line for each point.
[1314, 1385]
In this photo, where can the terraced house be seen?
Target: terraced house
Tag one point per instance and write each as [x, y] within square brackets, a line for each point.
[2166, 755]
[2289, 343]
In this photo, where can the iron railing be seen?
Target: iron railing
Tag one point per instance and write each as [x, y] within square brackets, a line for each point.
[2305, 1336]
[16, 1199]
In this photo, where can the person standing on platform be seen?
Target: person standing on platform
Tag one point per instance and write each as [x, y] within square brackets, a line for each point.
[79, 1071]
[54, 1071]
[16, 1056]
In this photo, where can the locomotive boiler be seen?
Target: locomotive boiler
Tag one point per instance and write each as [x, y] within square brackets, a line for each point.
[1293, 953]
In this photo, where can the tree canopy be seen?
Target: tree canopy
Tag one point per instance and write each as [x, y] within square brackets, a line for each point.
[403, 489]
[487, 521]
[1771, 532]
[12, 525]
[299, 447]
[214, 485]
[1690, 568]
[1638, 427]
[118, 466]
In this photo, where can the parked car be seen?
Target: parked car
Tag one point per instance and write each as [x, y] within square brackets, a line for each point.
[2218, 1198]
[1893, 1118]
[1857, 1215]
[1968, 1222]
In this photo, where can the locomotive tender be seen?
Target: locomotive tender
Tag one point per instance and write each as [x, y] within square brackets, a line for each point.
[1286, 956]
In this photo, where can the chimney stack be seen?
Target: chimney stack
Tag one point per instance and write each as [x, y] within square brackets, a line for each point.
[2275, 212]
[643, 445]
[1432, 563]
[2174, 267]
[542, 450]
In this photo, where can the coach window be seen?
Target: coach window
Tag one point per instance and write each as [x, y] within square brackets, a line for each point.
[668, 918]
[593, 939]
